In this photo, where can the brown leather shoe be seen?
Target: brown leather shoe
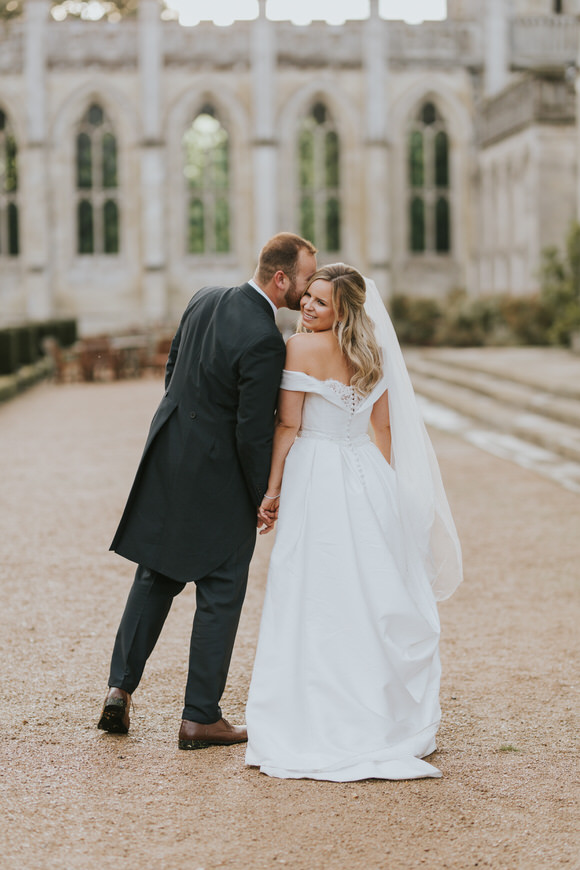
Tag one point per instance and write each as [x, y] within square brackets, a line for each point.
[195, 735]
[115, 715]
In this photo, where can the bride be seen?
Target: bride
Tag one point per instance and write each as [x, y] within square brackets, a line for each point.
[346, 678]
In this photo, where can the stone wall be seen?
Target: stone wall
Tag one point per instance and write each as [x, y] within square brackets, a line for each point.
[511, 154]
[527, 198]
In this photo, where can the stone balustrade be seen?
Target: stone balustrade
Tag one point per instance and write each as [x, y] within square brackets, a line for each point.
[74, 43]
[320, 44]
[527, 101]
[456, 42]
[535, 42]
[81, 44]
[207, 45]
[547, 41]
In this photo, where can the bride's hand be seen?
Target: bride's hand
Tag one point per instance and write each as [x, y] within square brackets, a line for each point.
[268, 514]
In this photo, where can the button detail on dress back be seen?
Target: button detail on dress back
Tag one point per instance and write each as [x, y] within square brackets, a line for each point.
[347, 394]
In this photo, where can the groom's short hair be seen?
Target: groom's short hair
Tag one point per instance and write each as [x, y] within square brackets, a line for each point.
[281, 253]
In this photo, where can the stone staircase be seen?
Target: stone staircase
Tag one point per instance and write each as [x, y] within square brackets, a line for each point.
[522, 403]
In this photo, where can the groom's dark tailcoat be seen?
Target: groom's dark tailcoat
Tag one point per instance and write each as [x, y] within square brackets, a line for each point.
[205, 464]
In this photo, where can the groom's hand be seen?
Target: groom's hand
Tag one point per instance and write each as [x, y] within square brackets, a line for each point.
[267, 515]
[265, 523]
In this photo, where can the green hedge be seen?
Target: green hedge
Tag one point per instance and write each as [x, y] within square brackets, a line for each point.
[8, 351]
[65, 332]
[463, 321]
[22, 345]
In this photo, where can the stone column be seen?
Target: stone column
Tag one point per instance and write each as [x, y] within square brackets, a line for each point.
[496, 48]
[33, 165]
[264, 145]
[375, 50]
[152, 162]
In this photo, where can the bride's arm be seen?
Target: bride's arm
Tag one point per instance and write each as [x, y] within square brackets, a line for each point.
[381, 423]
[288, 419]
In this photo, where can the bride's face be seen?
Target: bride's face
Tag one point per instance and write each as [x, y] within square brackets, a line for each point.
[316, 306]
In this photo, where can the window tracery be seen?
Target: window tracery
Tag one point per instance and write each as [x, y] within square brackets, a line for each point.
[9, 217]
[429, 183]
[319, 180]
[207, 173]
[97, 184]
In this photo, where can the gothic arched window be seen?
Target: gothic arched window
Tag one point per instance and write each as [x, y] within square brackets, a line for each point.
[97, 184]
[9, 236]
[428, 183]
[207, 173]
[319, 180]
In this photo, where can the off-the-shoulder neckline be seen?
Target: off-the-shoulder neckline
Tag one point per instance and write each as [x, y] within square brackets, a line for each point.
[319, 380]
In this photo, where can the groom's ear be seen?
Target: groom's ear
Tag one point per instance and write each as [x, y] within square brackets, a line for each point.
[280, 279]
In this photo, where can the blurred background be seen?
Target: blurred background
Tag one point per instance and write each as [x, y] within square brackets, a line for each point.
[148, 148]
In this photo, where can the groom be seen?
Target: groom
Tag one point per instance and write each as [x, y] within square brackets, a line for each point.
[191, 513]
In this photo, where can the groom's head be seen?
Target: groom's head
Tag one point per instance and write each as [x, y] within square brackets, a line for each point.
[286, 264]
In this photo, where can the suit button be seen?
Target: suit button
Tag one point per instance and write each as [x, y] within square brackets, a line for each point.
[193, 415]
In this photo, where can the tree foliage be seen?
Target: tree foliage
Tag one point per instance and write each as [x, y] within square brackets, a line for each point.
[10, 9]
[112, 10]
[560, 283]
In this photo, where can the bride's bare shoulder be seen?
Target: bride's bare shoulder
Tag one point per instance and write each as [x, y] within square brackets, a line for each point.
[311, 339]
[303, 349]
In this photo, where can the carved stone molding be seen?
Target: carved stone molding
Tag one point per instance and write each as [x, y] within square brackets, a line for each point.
[92, 43]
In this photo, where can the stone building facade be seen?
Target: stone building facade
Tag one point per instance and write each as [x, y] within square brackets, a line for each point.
[141, 160]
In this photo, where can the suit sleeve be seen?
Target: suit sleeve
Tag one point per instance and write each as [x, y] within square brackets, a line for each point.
[260, 371]
[170, 364]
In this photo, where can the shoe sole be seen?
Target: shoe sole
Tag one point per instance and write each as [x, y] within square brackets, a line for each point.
[203, 744]
[193, 744]
[112, 720]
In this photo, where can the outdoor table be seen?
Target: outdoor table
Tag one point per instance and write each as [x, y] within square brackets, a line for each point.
[128, 355]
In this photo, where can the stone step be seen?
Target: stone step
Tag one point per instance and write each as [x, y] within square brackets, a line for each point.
[553, 435]
[559, 469]
[547, 369]
[514, 394]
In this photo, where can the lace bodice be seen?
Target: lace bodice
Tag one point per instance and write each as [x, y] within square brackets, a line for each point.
[347, 395]
[332, 409]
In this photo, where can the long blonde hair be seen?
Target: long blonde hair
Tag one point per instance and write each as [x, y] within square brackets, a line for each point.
[353, 327]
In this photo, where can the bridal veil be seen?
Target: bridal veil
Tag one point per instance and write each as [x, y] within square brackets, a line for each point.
[431, 540]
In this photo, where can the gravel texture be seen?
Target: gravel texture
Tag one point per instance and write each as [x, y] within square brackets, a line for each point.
[74, 797]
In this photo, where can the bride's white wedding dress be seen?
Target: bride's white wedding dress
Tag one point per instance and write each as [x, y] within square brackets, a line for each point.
[346, 678]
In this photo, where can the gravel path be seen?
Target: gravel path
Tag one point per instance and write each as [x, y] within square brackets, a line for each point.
[74, 797]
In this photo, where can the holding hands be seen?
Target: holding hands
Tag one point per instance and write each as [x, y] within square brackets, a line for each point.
[268, 513]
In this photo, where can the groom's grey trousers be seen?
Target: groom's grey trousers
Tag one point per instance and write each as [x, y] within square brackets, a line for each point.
[219, 598]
